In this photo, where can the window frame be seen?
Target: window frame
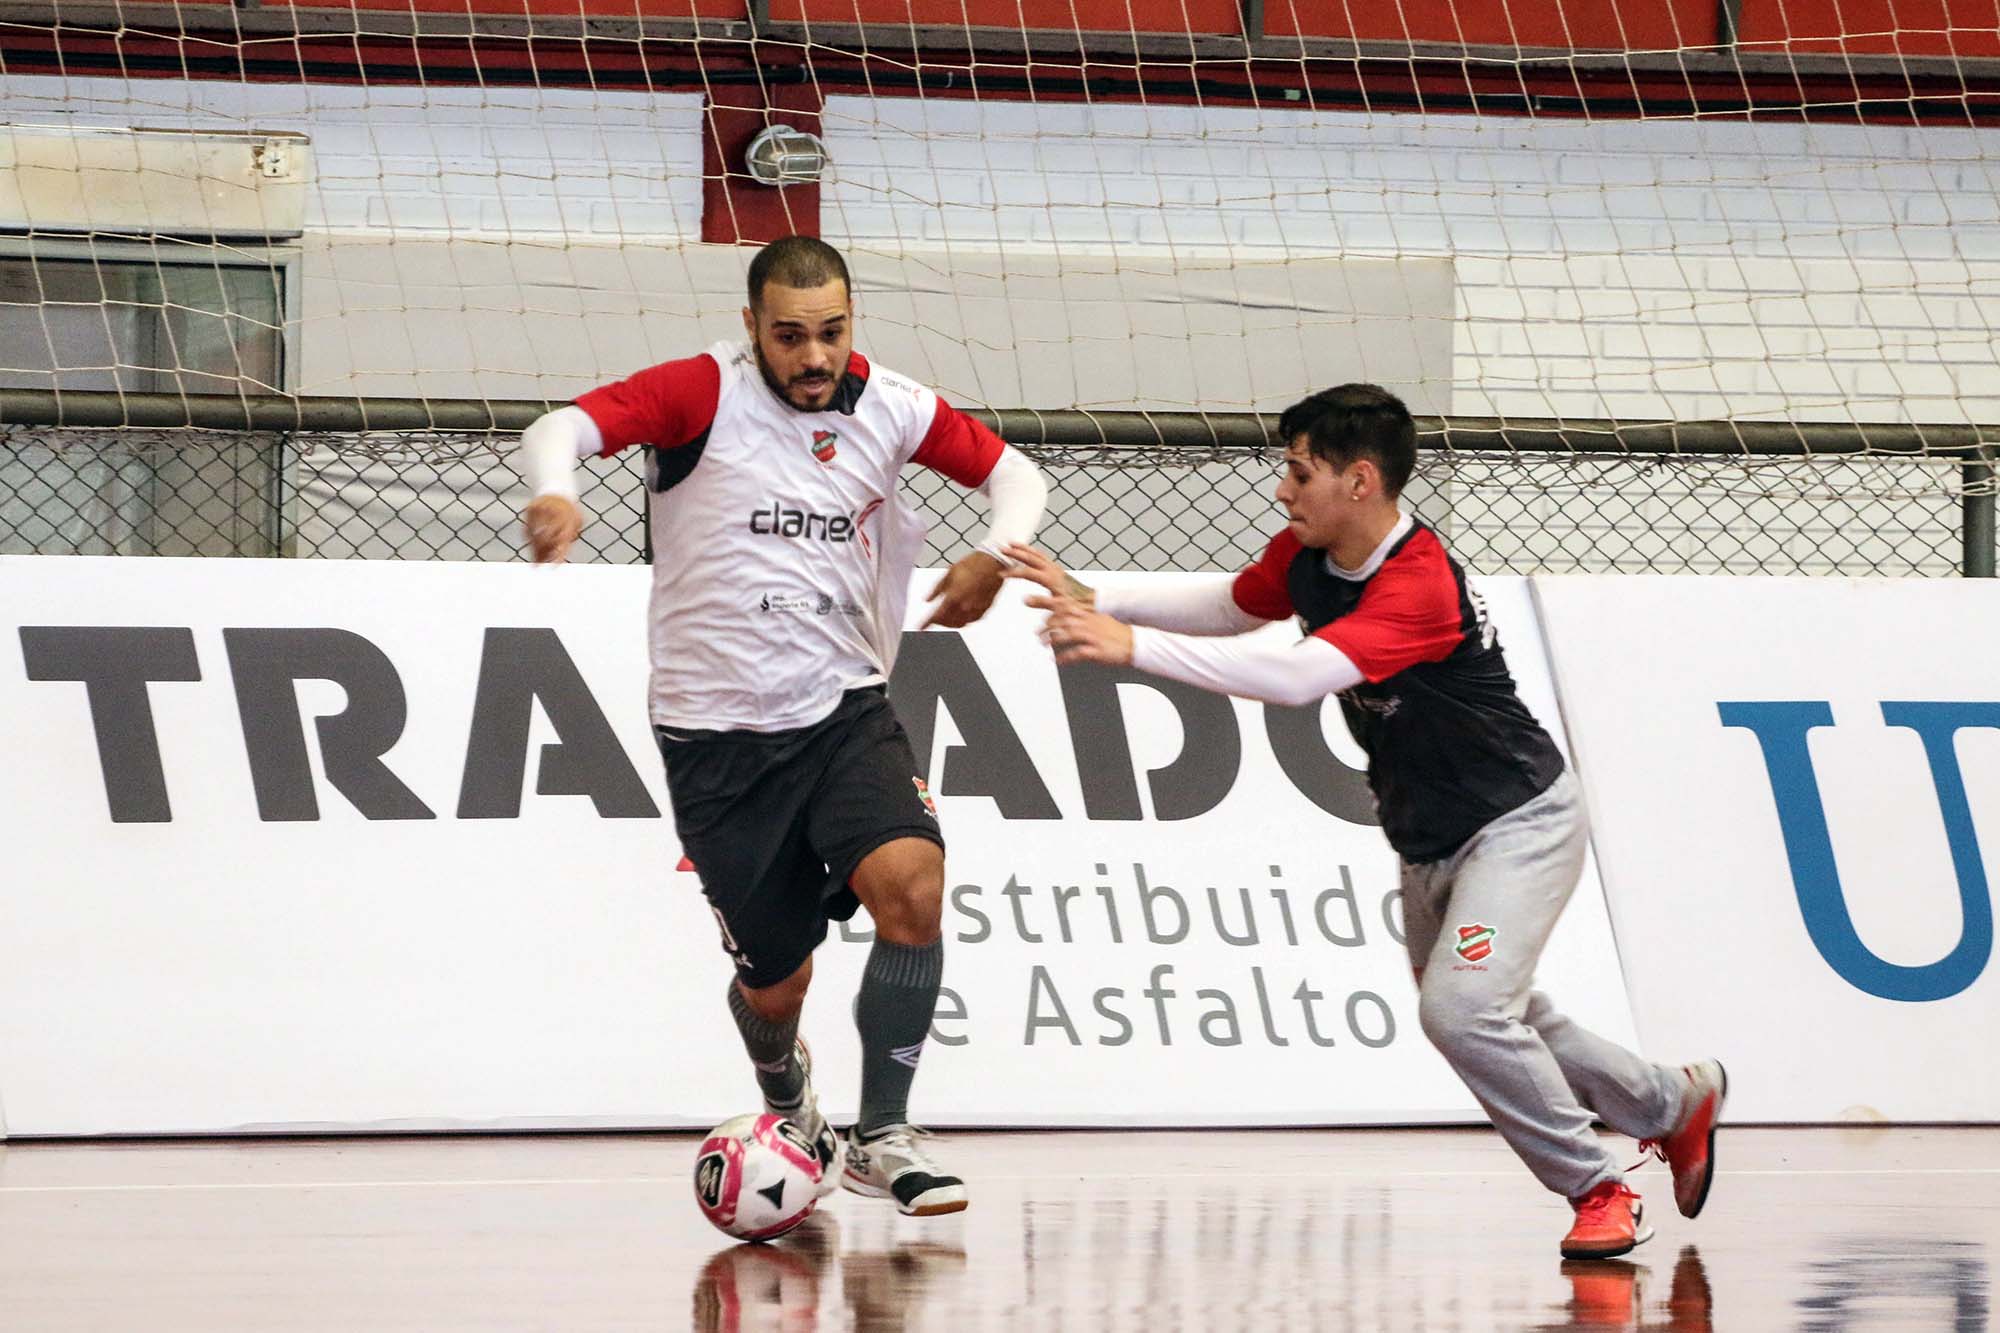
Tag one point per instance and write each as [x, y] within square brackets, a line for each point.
[286, 261]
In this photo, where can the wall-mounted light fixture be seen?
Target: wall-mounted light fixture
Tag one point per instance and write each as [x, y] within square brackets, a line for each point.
[781, 155]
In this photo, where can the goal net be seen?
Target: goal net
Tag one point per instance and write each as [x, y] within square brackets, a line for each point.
[1574, 212]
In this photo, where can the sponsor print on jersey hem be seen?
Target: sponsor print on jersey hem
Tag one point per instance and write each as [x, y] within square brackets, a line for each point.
[1475, 943]
[805, 603]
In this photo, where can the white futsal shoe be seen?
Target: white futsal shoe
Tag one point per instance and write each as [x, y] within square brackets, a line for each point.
[888, 1164]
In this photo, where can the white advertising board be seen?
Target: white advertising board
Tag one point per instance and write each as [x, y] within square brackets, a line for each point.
[350, 845]
[1791, 782]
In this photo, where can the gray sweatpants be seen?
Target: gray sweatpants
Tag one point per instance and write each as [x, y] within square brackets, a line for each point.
[1475, 926]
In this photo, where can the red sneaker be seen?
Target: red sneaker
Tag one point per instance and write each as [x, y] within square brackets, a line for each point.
[1690, 1149]
[1610, 1220]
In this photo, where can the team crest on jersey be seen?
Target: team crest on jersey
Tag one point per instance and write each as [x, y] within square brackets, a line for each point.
[924, 795]
[1475, 942]
[822, 445]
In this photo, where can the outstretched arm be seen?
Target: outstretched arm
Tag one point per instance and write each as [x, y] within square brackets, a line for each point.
[1204, 605]
[548, 453]
[1271, 671]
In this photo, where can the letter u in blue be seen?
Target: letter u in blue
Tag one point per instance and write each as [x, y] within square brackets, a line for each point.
[1781, 730]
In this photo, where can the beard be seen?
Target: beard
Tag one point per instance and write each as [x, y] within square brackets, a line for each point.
[784, 389]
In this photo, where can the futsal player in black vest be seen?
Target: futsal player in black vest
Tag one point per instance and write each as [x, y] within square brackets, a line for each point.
[1473, 794]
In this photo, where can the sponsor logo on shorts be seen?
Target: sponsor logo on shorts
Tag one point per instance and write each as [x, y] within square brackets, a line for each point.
[729, 945]
[924, 795]
[1475, 942]
[822, 445]
[785, 601]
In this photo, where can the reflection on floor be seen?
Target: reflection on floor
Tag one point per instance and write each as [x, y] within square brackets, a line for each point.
[1815, 1229]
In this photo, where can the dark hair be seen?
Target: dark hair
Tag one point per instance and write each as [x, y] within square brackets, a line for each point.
[796, 261]
[1354, 421]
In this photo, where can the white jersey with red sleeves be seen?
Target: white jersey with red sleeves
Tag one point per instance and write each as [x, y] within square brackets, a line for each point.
[781, 553]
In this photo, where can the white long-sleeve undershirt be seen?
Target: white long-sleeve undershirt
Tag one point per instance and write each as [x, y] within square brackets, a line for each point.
[1016, 494]
[1265, 668]
[551, 446]
[1015, 490]
[1204, 605]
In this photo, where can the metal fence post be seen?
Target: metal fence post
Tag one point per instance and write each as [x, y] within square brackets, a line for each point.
[1978, 478]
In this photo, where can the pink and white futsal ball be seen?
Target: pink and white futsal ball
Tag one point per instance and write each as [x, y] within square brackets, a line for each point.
[757, 1176]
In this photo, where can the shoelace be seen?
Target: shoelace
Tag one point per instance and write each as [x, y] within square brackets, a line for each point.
[1595, 1207]
[1658, 1147]
[903, 1139]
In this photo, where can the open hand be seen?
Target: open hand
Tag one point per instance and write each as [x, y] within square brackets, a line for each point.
[1036, 567]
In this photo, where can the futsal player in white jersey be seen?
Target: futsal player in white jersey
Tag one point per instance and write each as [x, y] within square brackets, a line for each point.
[782, 555]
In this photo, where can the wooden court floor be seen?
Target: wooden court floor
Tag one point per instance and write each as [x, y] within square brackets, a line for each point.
[1810, 1229]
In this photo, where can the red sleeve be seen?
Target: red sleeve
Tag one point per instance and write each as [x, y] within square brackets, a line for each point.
[1409, 613]
[958, 446]
[1264, 589]
[665, 406]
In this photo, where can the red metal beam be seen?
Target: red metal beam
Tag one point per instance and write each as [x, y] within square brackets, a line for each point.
[735, 209]
[1582, 87]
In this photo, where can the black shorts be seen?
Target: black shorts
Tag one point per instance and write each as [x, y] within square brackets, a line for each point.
[775, 823]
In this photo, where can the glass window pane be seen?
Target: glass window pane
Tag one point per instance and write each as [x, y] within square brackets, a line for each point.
[140, 326]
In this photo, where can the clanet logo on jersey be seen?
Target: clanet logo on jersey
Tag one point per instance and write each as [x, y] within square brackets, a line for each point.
[799, 524]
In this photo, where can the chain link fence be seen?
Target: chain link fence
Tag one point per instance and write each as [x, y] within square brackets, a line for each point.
[403, 495]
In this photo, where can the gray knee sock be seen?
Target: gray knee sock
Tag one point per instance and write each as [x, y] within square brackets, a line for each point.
[899, 990]
[779, 1077]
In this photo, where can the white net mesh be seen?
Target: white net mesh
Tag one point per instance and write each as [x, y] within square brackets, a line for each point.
[1565, 211]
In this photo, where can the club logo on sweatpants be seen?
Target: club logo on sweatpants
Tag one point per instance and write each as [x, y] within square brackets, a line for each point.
[1475, 942]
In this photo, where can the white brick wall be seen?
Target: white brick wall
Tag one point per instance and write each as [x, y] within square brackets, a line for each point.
[1604, 269]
